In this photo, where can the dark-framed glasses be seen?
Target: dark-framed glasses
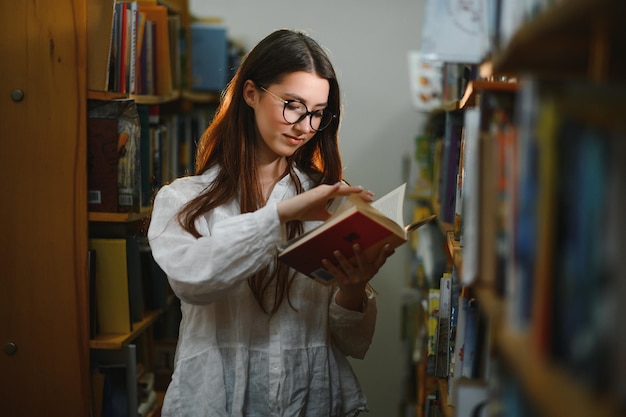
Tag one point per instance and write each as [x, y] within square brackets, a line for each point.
[294, 111]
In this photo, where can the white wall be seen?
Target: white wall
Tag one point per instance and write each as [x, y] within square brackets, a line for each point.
[368, 41]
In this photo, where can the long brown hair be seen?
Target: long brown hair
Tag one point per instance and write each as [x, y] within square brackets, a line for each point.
[231, 143]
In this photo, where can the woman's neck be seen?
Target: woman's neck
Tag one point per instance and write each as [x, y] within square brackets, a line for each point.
[269, 173]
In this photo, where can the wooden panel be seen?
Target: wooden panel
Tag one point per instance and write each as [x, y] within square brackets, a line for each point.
[43, 303]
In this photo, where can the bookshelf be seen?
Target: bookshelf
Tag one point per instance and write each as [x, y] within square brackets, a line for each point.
[576, 39]
[45, 302]
[117, 341]
[568, 74]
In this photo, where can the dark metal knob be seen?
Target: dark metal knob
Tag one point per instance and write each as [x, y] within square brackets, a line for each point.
[10, 348]
[17, 95]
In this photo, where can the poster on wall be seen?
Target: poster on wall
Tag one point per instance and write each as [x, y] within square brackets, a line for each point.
[455, 31]
[425, 81]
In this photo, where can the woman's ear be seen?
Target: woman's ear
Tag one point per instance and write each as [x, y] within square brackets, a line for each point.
[250, 93]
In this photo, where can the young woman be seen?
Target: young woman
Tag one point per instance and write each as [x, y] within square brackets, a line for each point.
[256, 338]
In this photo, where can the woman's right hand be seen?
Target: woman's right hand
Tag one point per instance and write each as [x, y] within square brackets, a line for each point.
[313, 204]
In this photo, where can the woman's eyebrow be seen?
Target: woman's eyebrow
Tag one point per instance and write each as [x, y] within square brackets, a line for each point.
[299, 98]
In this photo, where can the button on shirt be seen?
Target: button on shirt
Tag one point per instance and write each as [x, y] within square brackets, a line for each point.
[232, 358]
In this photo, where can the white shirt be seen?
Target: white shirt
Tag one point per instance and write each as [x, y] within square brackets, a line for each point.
[233, 359]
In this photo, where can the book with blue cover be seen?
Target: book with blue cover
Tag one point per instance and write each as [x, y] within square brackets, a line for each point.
[209, 58]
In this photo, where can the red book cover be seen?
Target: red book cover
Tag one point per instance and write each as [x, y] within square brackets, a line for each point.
[371, 226]
[355, 228]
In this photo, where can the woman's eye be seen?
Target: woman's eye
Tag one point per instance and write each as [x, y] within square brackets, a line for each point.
[295, 105]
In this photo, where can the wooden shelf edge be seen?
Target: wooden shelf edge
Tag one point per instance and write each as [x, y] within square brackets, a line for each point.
[116, 341]
[105, 95]
[156, 99]
[554, 392]
[476, 86]
[447, 410]
[96, 216]
[201, 97]
[139, 98]
[456, 252]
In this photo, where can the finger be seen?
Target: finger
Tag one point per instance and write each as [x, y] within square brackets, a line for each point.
[348, 268]
[348, 189]
[367, 196]
[385, 253]
[361, 261]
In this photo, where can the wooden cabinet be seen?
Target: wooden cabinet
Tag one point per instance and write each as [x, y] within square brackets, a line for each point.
[43, 302]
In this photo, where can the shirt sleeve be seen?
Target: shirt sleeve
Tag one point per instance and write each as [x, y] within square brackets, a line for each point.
[229, 250]
[353, 331]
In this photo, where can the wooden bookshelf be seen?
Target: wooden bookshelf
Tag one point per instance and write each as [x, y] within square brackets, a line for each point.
[554, 392]
[116, 341]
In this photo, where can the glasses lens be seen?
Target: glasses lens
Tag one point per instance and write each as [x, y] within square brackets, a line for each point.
[323, 120]
[295, 112]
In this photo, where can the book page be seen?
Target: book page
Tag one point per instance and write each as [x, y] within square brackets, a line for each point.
[391, 204]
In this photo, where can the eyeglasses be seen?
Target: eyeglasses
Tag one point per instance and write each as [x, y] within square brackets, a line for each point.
[295, 111]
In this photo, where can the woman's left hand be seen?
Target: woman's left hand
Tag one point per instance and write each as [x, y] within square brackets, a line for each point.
[352, 277]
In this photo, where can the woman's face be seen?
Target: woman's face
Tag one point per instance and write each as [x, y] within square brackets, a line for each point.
[280, 138]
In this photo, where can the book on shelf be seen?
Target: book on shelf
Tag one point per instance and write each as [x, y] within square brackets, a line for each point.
[581, 312]
[456, 362]
[117, 371]
[442, 353]
[423, 167]
[132, 43]
[102, 164]
[113, 157]
[176, 35]
[458, 199]
[123, 43]
[93, 309]
[437, 162]
[543, 287]
[119, 299]
[450, 165]
[473, 340]
[354, 221]
[523, 236]
[470, 195]
[434, 295]
[155, 285]
[161, 44]
[506, 157]
[99, 37]
[209, 69]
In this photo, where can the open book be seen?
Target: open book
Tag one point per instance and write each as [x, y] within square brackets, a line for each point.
[371, 225]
